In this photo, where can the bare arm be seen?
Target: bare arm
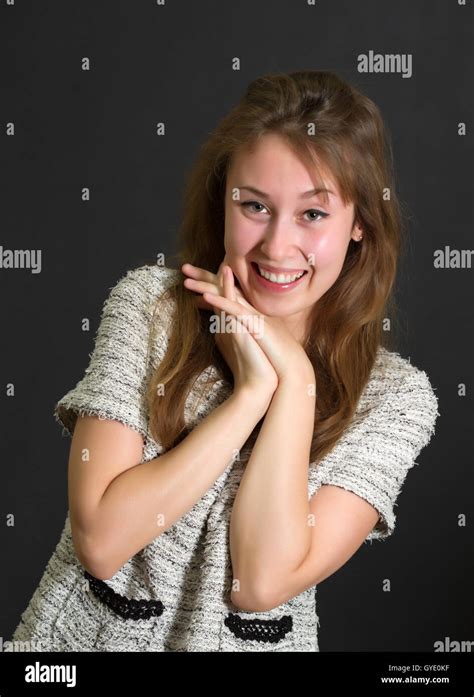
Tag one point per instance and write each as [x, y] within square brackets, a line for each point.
[277, 552]
[116, 515]
[269, 532]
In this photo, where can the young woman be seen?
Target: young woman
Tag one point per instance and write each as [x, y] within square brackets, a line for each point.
[244, 424]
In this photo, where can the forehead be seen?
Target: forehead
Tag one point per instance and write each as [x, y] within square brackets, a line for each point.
[271, 165]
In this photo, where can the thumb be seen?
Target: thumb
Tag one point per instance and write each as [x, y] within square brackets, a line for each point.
[224, 262]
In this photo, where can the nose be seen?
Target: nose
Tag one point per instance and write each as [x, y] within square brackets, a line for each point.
[279, 241]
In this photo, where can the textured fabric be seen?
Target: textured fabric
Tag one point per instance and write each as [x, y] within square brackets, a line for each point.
[188, 567]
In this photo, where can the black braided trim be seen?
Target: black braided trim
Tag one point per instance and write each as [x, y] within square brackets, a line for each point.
[128, 608]
[259, 629]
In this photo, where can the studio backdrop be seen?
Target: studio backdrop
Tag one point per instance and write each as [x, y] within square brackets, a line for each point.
[104, 107]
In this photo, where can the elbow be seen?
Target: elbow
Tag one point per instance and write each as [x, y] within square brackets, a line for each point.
[96, 566]
[98, 570]
[255, 597]
[91, 557]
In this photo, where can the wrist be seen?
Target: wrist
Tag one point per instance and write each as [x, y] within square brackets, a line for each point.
[254, 398]
[298, 381]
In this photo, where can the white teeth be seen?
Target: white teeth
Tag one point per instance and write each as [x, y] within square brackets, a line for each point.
[281, 277]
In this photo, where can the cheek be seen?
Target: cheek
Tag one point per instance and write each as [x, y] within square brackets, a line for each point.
[327, 252]
[240, 236]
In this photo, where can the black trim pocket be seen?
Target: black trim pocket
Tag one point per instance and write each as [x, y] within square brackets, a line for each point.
[128, 608]
[257, 629]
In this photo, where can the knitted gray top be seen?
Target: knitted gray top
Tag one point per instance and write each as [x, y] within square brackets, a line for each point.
[183, 577]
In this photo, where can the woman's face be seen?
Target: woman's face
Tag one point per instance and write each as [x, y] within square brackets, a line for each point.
[283, 230]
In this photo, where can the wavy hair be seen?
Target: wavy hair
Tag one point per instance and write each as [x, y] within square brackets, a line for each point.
[324, 120]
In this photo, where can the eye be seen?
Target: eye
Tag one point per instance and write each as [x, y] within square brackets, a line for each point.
[319, 214]
[249, 204]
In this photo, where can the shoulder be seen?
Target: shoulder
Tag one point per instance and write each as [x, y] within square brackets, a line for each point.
[402, 388]
[137, 291]
[149, 280]
[393, 370]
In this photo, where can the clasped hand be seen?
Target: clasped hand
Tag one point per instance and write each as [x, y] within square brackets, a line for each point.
[260, 350]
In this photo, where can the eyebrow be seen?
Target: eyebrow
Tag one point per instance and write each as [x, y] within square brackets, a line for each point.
[306, 194]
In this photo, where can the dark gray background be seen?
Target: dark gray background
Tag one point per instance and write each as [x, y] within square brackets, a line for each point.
[98, 129]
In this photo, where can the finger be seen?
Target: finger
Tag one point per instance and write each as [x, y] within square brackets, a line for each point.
[229, 288]
[247, 317]
[241, 299]
[233, 307]
[197, 273]
[220, 274]
[220, 278]
[200, 286]
[237, 293]
[223, 263]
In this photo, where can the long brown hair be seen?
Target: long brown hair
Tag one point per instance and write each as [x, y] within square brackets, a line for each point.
[324, 119]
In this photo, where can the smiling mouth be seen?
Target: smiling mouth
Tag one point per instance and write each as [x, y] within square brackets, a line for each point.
[277, 278]
[276, 283]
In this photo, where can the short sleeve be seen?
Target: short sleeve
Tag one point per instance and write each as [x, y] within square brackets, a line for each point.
[375, 453]
[115, 381]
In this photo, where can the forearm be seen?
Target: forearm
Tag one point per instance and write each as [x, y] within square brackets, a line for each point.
[144, 501]
[269, 532]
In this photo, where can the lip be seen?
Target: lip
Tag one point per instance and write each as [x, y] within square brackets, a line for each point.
[275, 269]
[274, 287]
